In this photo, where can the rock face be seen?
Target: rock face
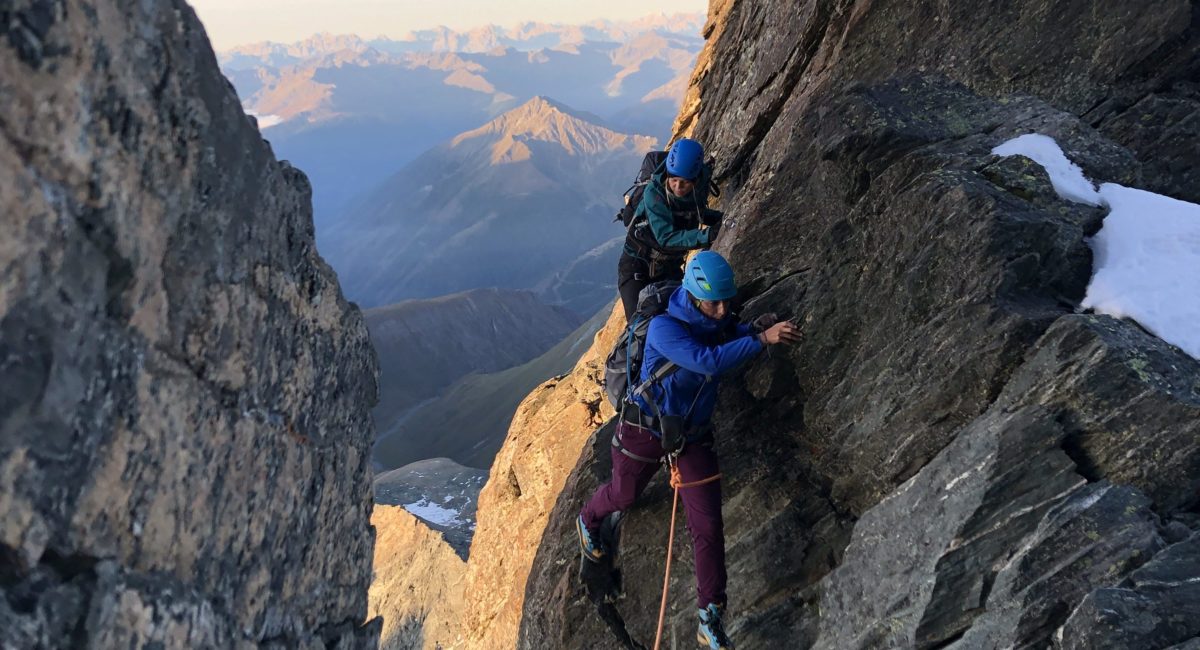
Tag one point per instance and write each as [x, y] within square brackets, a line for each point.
[184, 392]
[953, 458]
[529, 473]
[418, 584]
[1152, 609]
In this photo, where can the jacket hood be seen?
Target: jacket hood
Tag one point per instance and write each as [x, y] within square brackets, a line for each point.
[681, 308]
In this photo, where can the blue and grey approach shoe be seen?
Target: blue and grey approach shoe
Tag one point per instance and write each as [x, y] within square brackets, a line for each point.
[711, 633]
[590, 544]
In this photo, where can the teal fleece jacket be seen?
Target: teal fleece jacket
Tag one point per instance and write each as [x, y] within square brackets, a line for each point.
[658, 204]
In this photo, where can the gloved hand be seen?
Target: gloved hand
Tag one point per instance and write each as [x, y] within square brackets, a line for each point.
[713, 231]
[763, 322]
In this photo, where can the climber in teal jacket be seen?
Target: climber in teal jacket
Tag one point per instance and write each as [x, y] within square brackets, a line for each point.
[667, 222]
[675, 219]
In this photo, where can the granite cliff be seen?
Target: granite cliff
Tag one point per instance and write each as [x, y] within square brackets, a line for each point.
[184, 392]
[418, 585]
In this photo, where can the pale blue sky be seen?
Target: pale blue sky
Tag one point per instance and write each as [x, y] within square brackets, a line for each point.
[236, 22]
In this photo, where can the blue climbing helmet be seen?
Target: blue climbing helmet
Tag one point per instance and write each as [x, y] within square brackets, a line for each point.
[709, 277]
[685, 159]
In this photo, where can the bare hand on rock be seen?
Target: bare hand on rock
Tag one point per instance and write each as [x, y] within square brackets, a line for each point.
[783, 332]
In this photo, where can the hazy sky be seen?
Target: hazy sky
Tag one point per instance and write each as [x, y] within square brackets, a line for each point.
[236, 22]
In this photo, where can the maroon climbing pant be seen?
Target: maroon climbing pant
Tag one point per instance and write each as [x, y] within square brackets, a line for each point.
[702, 504]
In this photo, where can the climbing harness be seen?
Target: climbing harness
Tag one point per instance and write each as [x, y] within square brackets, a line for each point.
[678, 484]
[618, 443]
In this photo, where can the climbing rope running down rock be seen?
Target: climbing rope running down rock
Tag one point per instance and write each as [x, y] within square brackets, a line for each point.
[678, 484]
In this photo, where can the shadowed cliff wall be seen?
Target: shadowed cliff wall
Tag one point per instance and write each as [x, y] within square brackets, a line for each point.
[184, 392]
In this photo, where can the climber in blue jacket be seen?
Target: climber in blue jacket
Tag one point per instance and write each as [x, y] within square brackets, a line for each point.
[673, 417]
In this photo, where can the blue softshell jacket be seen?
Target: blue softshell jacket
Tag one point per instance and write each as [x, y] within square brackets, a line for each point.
[694, 342]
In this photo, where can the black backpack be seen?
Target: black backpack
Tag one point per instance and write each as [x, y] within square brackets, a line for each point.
[625, 360]
[633, 196]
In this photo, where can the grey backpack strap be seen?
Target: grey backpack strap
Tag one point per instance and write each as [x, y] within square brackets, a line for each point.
[658, 375]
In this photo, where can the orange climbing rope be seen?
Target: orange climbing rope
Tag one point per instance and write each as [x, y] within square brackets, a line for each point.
[678, 484]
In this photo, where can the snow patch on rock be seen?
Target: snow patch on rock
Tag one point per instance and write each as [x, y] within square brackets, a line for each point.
[1147, 254]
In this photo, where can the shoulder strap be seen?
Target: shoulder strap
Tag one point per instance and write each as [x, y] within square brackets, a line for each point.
[660, 373]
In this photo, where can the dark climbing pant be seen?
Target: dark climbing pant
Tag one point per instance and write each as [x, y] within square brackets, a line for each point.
[633, 274]
[701, 504]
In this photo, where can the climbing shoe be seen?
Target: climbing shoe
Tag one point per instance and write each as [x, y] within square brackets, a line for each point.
[590, 544]
[711, 633]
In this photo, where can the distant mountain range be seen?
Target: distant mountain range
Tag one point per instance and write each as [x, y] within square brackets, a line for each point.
[351, 111]
[426, 345]
[414, 199]
[526, 36]
[469, 420]
[523, 202]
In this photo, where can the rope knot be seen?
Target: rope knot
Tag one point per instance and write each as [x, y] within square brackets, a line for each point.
[677, 479]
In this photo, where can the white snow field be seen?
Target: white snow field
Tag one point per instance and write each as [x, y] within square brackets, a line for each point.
[1146, 263]
[434, 513]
